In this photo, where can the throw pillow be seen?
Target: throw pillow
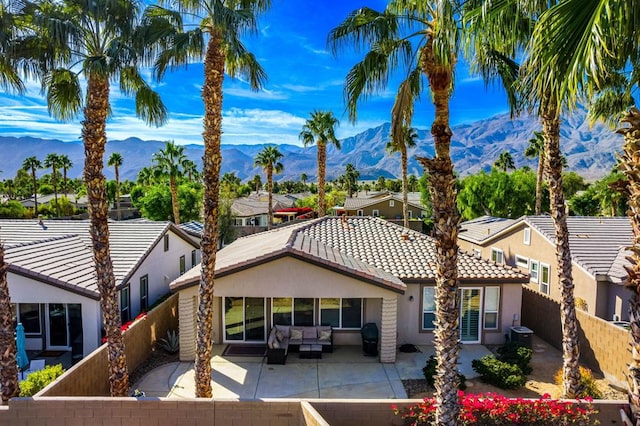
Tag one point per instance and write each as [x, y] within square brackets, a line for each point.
[279, 336]
[275, 344]
[325, 335]
[296, 334]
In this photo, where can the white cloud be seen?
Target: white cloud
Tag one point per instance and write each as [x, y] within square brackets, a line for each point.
[250, 94]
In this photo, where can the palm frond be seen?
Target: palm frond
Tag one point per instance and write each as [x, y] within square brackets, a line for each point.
[242, 63]
[362, 28]
[63, 93]
[149, 106]
[402, 110]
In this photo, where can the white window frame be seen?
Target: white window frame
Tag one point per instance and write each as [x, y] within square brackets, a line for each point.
[165, 240]
[522, 262]
[359, 212]
[392, 203]
[18, 319]
[542, 284]
[293, 307]
[410, 214]
[125, 290]
[144, 293]
[183, 264]
[497, 252]
[534, 274]
[477, 253]
[375, 213]
[487, 311]
[194, 258]
[425, 311]
[527, 236]
[340, 327]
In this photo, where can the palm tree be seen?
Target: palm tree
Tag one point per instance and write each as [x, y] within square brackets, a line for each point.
[169, 163]
[190, 170]
[303, 179]
[413, 183]
[115, 161]
[399, 143]
[11, 30]
[102, 41]
[65, 165]
[9, 386]
[350, 179]
[505, 161]
[269, 160]
[30, 164]
[320, 129]
[536, 150]
[435, 26]
[145, 176]
[594, 41]
[224, 22]
[53, 161]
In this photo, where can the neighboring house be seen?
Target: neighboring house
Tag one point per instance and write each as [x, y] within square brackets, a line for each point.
[127, 210]
[598, 254]
[78, 202]
[387, 206]
[52, 280]
[346, 272]
[252, 211]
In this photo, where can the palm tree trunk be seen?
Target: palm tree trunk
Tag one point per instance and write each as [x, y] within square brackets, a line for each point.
[630, 166]
[270, 190]
[173, 186]
[539, 177]
[64, 180]
[405, 186]
[442, 188]
[95, 138]
[212, 96]
[8, 365]
[35, 189]
[322, 164]
[570, 348]
[55, 191]
[119, 213]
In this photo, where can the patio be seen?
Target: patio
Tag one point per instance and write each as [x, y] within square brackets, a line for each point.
[343, 374]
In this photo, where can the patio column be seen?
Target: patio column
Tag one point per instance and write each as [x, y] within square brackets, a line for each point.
[187, 314]
[388, 329]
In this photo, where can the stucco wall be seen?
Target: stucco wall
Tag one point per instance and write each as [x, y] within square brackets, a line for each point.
[27, 290]
[600, 297]
[162, 268]
[388, 212]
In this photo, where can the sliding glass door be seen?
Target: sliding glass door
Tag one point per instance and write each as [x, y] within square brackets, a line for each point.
[244, 319]
[470, 307]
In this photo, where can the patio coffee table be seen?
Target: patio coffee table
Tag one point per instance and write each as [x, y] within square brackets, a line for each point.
[310, 351]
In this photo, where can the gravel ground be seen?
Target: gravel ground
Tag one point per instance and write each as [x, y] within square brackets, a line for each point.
[157, 358]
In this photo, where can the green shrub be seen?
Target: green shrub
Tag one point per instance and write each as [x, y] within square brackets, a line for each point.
[588, 385]
[429, 372]
[516, 353]
[38, 380]
[499, 373]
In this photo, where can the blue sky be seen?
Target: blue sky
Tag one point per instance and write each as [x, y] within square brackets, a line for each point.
[302, 76]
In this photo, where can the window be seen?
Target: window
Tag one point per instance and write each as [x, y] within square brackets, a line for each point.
[545, 273]
[533, 270]
[428, 308]
[522, 261]
[281, 310]
[491, 305]
[125, 315]
[166, 242]
[29, 316]
[144, 293]
[410, 214]
[193, 258]
[477, 253]
[497, 255]
[376, 213]
[527, 236]
[392, 203]
[238, 222]
[360, 212]
[303, 311]
[341, 313]
[183, 265]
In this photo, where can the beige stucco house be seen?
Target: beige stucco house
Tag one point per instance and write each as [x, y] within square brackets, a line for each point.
[386, 205]
[346, 271]
[598, 255]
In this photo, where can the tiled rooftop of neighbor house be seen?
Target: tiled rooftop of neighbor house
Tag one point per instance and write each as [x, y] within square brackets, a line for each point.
[482, 228]
[595, 242]
[353, 203]
[47, 249]
[364, 246]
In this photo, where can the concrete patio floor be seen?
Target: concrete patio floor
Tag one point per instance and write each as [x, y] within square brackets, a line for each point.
[344, 374]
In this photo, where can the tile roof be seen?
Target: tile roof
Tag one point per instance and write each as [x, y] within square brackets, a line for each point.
[483, 228]
[245, 207]
[595, 242]
[617, 273]
[355, 203]
[67, 244]
[367, 247]
[192, 228]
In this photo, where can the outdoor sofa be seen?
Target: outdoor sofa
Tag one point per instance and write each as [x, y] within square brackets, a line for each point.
[284, 338]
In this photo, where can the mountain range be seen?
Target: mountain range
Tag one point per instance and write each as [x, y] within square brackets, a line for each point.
[590, 151]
